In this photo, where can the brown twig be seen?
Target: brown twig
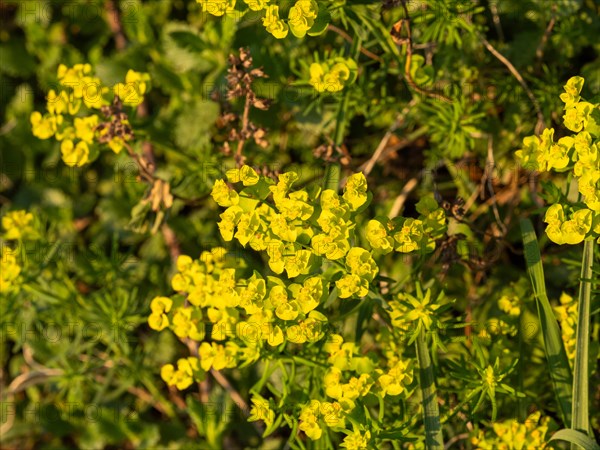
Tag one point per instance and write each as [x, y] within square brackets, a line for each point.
[487, 179]
[367, 167]
[239, 158]
[409, 52]
[114, 23]
[539, 52]
[541, 122]
[496, 20]
[349, 39]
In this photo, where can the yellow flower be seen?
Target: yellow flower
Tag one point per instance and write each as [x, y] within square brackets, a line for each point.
[355, 191]
[576, 117]
[310, 294]
[44, 127]
[187, 371]
[116, 144]
[399, 376]
[85, 128]
[282, 229]
[350, 285]
[261, 410]
[57, 104]
[248, 224]
[139, 80]
[567, 316]
[572, 90]
[92, 92]
[9, 271]
[571, 231]
[302, 17]
[274, 25]
[186, 323]
[17, 225]
[288, 310]
[246, 174]
[309, 420]
[217, 356]
[378, 237]
[229, 218]
[256, 5]
[409, 236]
[217, 7]
[160, 306]
[509, 305]
[72, 76]
[512, 435]
[361, 263]
[332, 76]
[357, 441]
[223, 195]
[333, 245]
[74, 155]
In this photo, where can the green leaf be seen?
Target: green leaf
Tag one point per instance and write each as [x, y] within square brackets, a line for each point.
[321, 22]
[433, 428]
[575, 437]
[193, 124]
[558, 363]
[332, 177]
[581, 393]
[188, 40]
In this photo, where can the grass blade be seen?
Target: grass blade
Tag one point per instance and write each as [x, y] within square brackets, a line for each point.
[433, 428]
[581, 420]
[558, 363]
[575, 437]
[332, 177]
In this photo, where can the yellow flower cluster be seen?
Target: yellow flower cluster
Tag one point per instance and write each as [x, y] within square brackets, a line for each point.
[408, 309]
[568, 231]
[362, 269]
[357, 440]
[316, 415]
[346, 393]
[187, 372]
[397, 378]
[510, 304]
[261, 410]
[301, 16]
[512, 435]
[333, 75]
[282, 229]
[18, 225]
[578, 154]
[9, 271]
[63, 120]
[248, 314]
[406, 235]
[567, 316]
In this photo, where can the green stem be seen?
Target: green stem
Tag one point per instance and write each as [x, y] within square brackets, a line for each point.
[580, 407]
[431, 413]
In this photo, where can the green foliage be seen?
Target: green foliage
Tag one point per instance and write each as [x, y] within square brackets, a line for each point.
[413, 313]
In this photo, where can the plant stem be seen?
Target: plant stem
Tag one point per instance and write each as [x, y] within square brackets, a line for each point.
[431, 413]
[580, 407]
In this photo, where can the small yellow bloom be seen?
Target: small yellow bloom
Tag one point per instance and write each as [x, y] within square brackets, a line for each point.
[44, 127]
[223, 195]
[85, 128]
[160, 306]
[74, 155]
[9, 271]
[217, 7]
[302, 17]
[274, 25]
[17, 225]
